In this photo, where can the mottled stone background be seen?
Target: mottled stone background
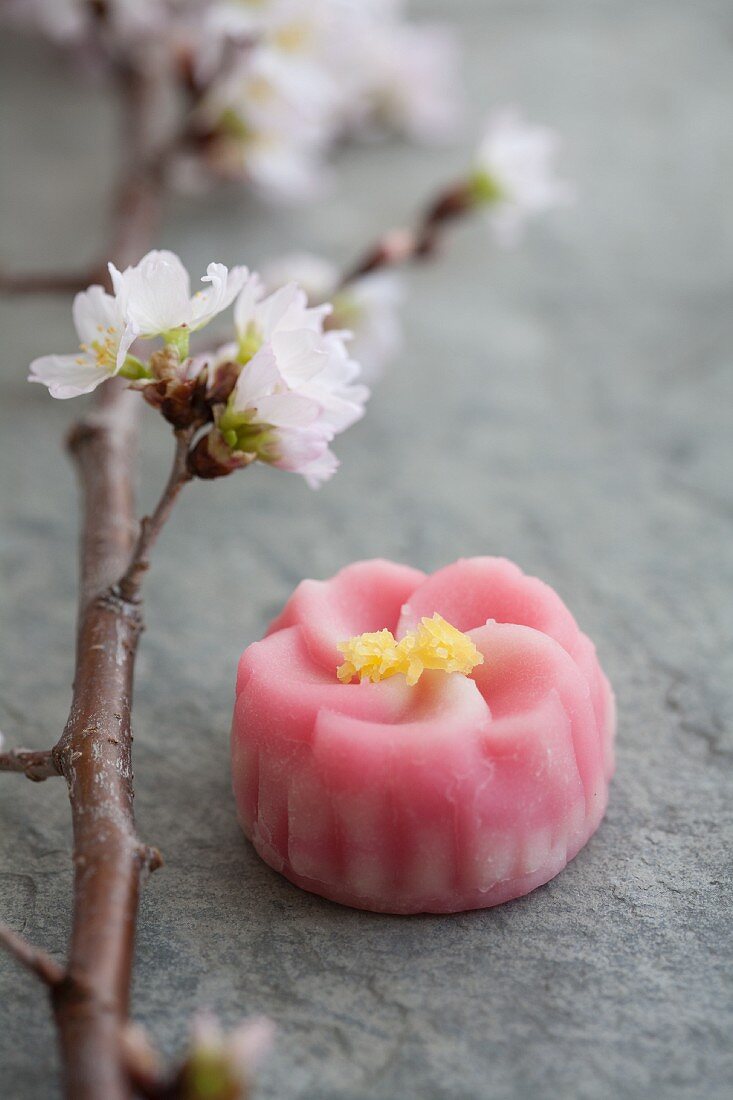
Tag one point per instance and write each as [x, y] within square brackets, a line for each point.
[568, 405]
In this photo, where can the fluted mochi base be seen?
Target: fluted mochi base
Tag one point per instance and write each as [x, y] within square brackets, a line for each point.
[458, 793]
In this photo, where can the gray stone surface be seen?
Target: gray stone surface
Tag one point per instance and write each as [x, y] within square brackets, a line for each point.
[568, 406]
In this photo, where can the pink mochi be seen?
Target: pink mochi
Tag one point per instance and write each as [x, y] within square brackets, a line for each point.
[457, 793]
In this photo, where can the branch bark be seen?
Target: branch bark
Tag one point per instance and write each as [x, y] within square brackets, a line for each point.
[46, 282]
[90, 994]
[402, 246]
[32, 958]
[94, 753]
[29, 762]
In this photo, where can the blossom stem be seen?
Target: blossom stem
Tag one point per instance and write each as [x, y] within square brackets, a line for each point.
[402, 246]
[151, 526]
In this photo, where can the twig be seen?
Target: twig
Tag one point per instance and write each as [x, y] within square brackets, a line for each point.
[35, 960]
[50, 282]
[34, 765]
[151, 526]
[402, 246]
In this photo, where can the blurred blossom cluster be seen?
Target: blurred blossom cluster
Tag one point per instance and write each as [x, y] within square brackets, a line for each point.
[266, 88]
[368, 307]
[279, 392]
[304, 340]
[272, 85]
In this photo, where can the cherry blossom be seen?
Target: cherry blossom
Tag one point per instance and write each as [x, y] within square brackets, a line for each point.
[367, 307]
[514, 175]
[105, 336]
[297, 386]
[156, 294]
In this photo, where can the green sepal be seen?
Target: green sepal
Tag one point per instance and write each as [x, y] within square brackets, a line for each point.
[484, 188]
[134, 369]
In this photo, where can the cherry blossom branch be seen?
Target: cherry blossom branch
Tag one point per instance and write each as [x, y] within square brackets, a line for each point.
[94, 755]
[398, 247]
[94, 751]
[49, 282]
[35, 765]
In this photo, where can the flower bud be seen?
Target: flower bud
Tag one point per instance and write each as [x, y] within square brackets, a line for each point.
[177, 392]
[211, 457]
[221, 1066]
[222, 380]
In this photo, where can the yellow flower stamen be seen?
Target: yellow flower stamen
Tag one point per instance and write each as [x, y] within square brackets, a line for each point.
[434, 645]
[104, 350]
[294, 37]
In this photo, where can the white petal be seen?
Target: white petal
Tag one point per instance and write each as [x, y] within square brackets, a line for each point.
[320, 470]
[66, 376]
[225, 286]
[300, 354]
[246, 304]
[520, 157]
[127, 337]
[155, 294]
[257, 380]
[93, 311]
[314, 317]
[287, 410]
[273, 310]
[300, 448]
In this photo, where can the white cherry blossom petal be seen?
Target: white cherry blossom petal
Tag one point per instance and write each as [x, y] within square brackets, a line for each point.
[517, 158]
[297, 386]
[225, 286]
[287, 410]
[155, 293]
[66, 376]
[320, 469]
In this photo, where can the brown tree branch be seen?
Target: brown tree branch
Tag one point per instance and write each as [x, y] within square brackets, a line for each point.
[35, 960]
[402, 246]
[151, 526]
[33, 764]
[90, 996]
[47, 282]
[94, 755]
[94, 751]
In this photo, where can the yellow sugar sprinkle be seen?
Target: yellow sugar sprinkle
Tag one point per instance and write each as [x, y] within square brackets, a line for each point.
[434, 645]
[372, 657]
